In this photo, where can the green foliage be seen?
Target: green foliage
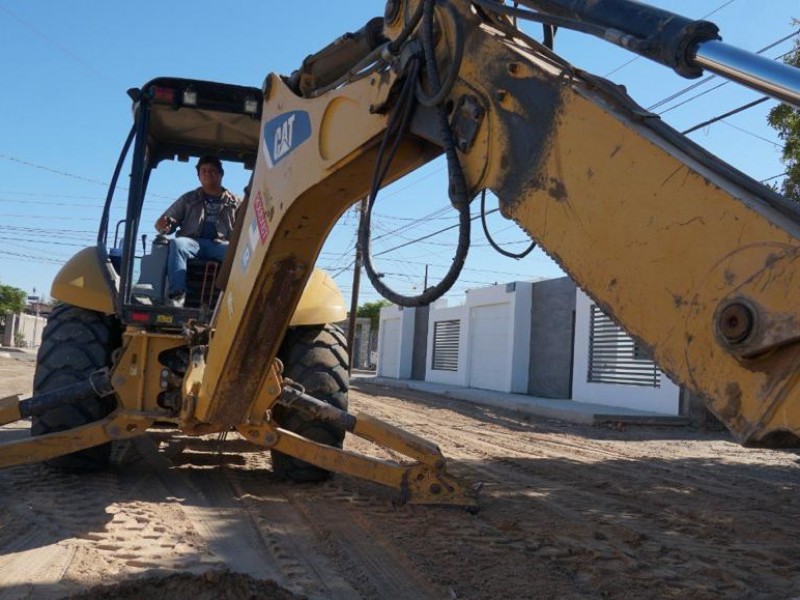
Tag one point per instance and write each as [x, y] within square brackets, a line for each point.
[373, 311]
[785, 120]
[12, 300]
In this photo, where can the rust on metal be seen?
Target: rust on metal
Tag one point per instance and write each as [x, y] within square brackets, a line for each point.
[273, 298]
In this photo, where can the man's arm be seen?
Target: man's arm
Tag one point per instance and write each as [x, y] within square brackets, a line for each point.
[172, 217]
[166, 224]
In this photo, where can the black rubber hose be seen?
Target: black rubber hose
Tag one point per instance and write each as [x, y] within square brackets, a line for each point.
[455, 66]
[394, 46]
[491, 241]
[397, 127]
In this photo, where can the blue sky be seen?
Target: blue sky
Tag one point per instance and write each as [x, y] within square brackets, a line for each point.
[64, 115]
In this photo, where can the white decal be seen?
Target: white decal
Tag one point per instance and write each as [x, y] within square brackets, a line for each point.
[283, 138]
[246, 258]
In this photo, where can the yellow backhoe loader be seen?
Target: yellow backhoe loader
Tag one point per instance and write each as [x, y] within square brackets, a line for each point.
[698, 262]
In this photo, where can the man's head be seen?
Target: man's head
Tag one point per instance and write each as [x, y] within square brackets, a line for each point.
[210, 172]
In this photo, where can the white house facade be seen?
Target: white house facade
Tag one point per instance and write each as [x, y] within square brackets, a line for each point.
[543, 339]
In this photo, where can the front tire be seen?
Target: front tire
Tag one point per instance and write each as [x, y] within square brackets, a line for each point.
[75, 342]
[315, 357]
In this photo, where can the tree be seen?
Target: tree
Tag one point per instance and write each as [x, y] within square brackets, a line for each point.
[373, 311]
[12, 300]
[786, 120]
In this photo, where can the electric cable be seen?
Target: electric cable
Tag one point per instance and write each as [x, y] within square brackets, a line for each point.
[397, 126]
[491, 241]
[774, 177]
[697, 84]
[730, 113]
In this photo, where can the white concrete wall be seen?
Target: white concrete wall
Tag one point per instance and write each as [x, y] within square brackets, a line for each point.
[30, 326]
[511, 373]
[439, 313]
[521, 313]
[389, 343]
[664, 399]
[395, 342]
[508, 352]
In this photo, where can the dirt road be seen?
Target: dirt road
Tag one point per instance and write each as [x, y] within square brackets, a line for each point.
[566, 512]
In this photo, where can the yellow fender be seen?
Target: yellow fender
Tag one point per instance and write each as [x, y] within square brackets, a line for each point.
[87, 282]
[321, 302]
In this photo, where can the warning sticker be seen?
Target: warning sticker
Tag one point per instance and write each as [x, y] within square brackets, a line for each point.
[246, 258]
[261, 217]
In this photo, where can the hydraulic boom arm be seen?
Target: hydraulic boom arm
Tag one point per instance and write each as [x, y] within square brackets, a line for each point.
[697, 261]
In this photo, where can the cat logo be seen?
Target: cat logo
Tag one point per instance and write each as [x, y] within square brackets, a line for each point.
[283, 138]
[283, 135]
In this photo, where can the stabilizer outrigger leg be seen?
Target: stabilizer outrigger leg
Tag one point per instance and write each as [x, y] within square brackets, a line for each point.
[423, 481]
[120, 424]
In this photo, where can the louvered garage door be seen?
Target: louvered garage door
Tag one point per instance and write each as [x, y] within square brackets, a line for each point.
[446, 342]
[614, 357]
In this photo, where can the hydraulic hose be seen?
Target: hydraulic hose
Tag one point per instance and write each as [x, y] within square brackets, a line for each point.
[397, 127]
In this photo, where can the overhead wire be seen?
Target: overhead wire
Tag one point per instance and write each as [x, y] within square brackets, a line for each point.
[697, 84]
[60, 47]
[751, 134]
[397, 126]
[730, 113]
[774, 177]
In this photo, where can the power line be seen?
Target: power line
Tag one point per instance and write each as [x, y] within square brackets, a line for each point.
[51, 195]
[48, 203]
[438, 266]
[750, 133]
[727, 114]
[50, 170]
[48, 242]
[710, 77]
[35, 258]
[47, 230]
[438, 212]
[74, 176]
[774, 177]
[703, 93]
[62, 49]
[17, 216]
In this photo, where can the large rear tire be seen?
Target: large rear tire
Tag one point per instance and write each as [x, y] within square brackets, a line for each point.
[315, 357]
[75, 342]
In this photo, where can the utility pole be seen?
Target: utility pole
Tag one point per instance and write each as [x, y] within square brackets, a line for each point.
[35, 318]
[351, 325]
[425, 284]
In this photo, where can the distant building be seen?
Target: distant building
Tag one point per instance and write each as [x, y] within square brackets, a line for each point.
[544, 339]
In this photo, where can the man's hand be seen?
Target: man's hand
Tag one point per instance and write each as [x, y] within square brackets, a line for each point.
[165, 225]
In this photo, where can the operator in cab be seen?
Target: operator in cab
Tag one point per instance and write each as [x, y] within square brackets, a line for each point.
[204, 220]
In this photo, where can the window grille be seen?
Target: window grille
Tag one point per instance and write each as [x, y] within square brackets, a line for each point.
[446, 340]
[614, 357]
